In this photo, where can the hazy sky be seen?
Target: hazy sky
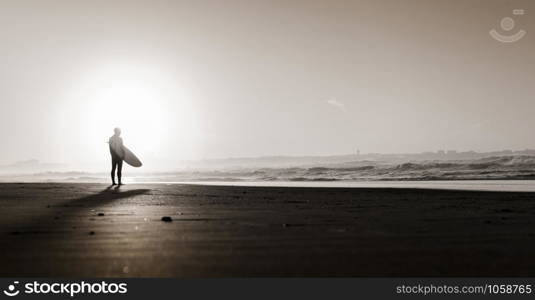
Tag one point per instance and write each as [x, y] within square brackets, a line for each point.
[211, 79]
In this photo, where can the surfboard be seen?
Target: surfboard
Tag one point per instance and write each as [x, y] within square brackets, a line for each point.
[131, 159]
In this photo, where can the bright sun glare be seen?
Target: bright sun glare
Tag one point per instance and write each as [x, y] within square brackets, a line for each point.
[147, 105]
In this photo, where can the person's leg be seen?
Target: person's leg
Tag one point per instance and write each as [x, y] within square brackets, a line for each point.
[120, 171]
[113, 168]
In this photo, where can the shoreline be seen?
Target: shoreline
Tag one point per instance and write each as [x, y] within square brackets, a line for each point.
[461, 185]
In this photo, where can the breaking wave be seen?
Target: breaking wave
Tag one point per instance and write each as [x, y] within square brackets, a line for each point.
[516, 167]
[491, 168]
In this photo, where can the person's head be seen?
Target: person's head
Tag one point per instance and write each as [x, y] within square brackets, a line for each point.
[117, 131]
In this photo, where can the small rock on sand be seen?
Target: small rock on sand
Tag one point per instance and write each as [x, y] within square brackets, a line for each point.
[91, 233]
[167, 219]
[100, 214]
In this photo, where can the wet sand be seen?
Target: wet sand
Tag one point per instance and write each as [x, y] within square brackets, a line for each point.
[90, 230]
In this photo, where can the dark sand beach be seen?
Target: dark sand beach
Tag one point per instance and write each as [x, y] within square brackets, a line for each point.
[90, 230]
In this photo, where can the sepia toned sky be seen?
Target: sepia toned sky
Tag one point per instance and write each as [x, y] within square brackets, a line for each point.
[214, 79]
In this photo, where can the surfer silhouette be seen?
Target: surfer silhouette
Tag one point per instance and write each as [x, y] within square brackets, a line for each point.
[117, 155]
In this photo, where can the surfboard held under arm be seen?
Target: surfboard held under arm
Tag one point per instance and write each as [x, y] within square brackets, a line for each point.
[130, 158]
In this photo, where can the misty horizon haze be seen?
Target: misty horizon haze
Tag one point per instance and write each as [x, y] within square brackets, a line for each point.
[273, 161]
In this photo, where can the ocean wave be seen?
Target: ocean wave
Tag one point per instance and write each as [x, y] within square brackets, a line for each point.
[489, 168]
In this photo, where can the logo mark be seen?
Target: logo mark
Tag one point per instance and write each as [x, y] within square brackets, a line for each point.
[507, 24]
[11, 292]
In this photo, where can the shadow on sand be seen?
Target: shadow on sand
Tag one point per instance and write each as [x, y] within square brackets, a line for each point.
[47, 221]
[53, 230]
[109, 194]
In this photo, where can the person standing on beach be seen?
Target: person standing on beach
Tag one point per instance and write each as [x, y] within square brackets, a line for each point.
[117, 155]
